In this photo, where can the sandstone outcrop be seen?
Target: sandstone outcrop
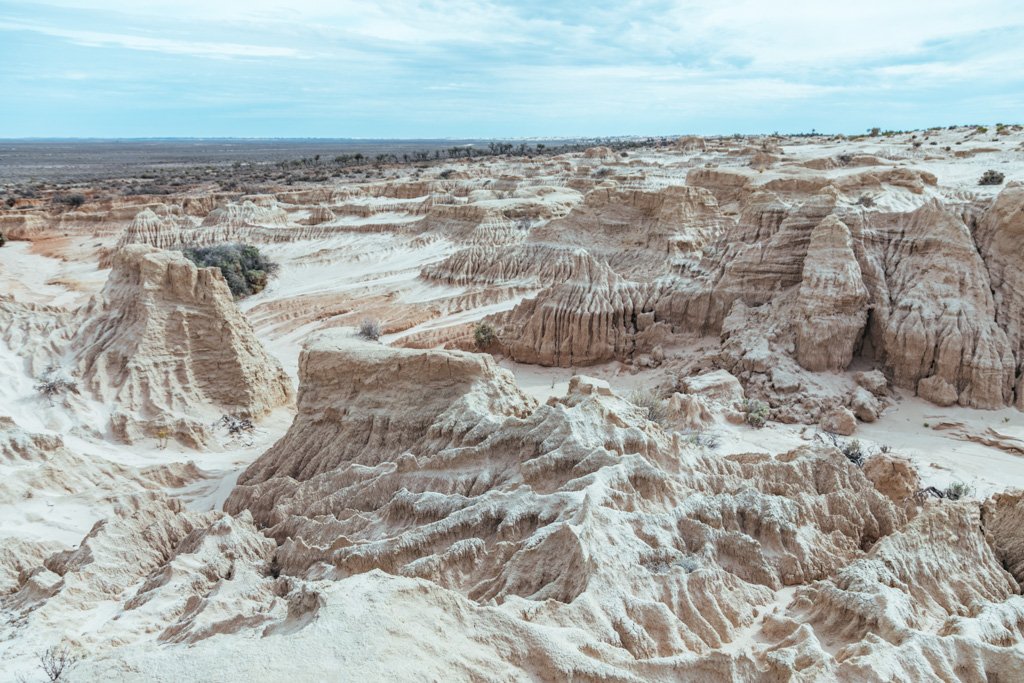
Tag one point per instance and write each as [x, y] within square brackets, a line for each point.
[690, 143]
[638, 231]
[602, 153]
[718, 386]
[320, 214]
[165, 338]
[163, 231]
[170, 230]
[368, 379]
[21, 226]
[840, 421]
[941, 322]
[999, 234]
[832, 300]
[578, 323]
[248, 214]
[908, 290]
[516, 506]
[164, 341]
[895, 477]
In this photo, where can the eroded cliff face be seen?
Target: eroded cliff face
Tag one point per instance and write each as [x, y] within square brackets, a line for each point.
[831, 301]
[578, 322]
[369, 381]
[940, 321]
[581, 519]
[574, 538]
[616, 244]
[605, 262]
[162, 348]
[999, 235]
[910, 291]
[164, 335]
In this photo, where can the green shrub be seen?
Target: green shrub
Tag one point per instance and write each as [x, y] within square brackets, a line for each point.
[652, 406]
[244, 268]
[483, 335]
[755, 412]
[991, 177]
[958, 490]
[853, 452]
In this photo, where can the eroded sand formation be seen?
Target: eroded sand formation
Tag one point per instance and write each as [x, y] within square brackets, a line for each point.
[422, 509]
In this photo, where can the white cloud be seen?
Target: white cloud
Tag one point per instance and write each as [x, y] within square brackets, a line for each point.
[785, 38]
[150, 44]
[817, 33]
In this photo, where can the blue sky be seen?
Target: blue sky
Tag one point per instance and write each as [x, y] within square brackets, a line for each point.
[493, 68]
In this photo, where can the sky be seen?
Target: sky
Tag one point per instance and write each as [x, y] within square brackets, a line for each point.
[502, 69]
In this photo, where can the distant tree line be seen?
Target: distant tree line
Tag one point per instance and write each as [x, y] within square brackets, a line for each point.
[493, 149]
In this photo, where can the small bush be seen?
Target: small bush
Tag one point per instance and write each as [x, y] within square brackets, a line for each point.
[755, 412]
[853, 452]
[10, 202]
[483, 335]
[369, 328]
[705, 440]
[56, 662]
[3, 240]
[957, 490]
[244, 268]
[652, 406]
[70, 201]
[446, 173]
[236, 426]
[991, 177]
[866, 200]
[54, 382]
